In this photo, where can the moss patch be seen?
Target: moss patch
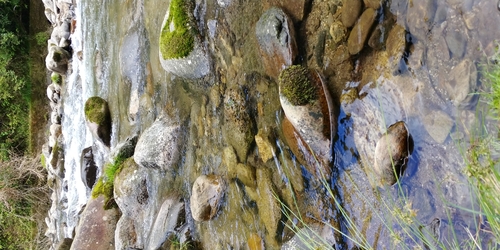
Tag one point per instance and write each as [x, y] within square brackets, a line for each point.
[105, 184]
[177, 36]
[56, 78]
[96, 110]
[296, 85]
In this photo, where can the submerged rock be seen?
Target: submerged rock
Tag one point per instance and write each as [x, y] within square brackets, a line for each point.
[462, 84]
[276, 36]
[181, 50]
[170, 217]
[360, 31]
[98, 119]
[438, 124]
[206, 197]
[420, 17]
[159, 145]
[392, 152]
[88, 168]
[396, 46]
[308, 106]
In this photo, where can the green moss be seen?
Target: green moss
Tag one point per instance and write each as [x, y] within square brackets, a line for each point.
[105, 184]
[96, 110]
[296, 85]
[56, 78]
[179, 42]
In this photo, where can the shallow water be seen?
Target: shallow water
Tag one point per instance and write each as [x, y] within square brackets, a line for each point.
[119, 41]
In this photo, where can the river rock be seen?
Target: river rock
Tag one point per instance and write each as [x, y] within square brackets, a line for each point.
[438, 124]
[238, 126]
[55, 117]
[462, 84]
[60, 35]
[88, 168]
[311, 237]
[456, 42]
[374, 4]
[185, 61]
[295, 8]
[379, 35]
[266, 148]
[159, 145]
[360, 31]
[350, 12]
[392, 152]
[57, 59]
[206, 197]
[98, 119]
[96, 228]
[307, 104]
[126, 236]
[65, 244]
[170, 217]
[276, 37]
[55, 130]
[395, 46]
[337, 32]
[125, 149]
[420, 17]
[54, 92]
[268, 205]
[244, 173]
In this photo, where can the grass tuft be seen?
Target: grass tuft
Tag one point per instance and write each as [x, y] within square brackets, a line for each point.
[105, 184]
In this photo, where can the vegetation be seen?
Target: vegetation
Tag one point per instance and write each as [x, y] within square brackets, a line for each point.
[177, 36]
[105, 184]
[56, 78]
[296, 86]
[24, 200]
[14, 83]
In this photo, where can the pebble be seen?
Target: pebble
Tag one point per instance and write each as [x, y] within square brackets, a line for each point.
[351, 12]
[360, 32]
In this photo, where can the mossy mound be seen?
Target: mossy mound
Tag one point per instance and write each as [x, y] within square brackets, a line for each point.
[296, 86]
[177, 34]
[96, 110]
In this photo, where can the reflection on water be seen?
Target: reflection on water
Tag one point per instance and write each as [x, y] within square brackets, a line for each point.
[440, 62]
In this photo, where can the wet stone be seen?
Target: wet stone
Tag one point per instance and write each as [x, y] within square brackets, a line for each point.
[359, 34]
[462, 83]
[206, 197]
[438, 124]
[456, 43]
[295, 8]
[276, 37]
[374, 4]
[379, 35]
[351, 12]
[396, 44]
[420, 16]
[337, 32]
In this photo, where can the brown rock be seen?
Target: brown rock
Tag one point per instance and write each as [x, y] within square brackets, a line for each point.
[391, 153]
[206, 197]
[96, 229]
[374, 4]
[276, 37]
[396, 45]
[359, 34]
[351, 12]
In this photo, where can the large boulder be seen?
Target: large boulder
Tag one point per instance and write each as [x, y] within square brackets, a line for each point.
[96, 229]
[181, 50]
[57, 59]
[60, 35]
[98, 119]
[276, 37]
[159, 145]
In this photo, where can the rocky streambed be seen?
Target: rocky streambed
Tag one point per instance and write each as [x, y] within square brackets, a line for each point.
[276, 104]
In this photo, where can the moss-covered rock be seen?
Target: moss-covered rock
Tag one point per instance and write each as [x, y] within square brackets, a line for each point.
[178, 32]
[98, 118]
[296, 85]
[56, 78]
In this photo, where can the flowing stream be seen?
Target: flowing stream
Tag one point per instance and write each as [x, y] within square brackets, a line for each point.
[115, 57]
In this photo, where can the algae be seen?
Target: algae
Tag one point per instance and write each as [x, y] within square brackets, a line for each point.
[296, 86]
